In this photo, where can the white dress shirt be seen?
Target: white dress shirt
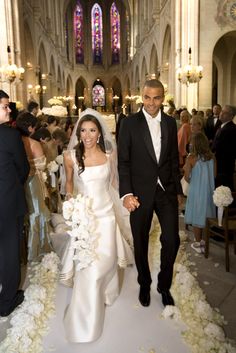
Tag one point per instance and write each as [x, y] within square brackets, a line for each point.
[154, 125]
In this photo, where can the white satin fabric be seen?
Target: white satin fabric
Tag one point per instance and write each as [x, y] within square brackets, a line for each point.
[98, 284]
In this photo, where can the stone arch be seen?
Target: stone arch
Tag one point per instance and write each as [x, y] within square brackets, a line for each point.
[60, 88]
[115, 84]
[29, 58]
[224, 71]
[52, 77]
[81, 93]
[166, 52]
[154, 62]
[69, 86]
[41, 68]
[136, 80]
[144, 71]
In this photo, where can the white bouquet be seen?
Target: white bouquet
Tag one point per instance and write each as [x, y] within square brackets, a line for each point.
[52, 167]
[78, 215]
[59, 159]
[222, 197]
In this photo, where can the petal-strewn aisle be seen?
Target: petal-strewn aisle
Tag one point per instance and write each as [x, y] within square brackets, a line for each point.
[129, 328]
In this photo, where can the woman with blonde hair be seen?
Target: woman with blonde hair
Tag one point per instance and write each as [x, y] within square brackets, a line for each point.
[199, 172]
[183, 136]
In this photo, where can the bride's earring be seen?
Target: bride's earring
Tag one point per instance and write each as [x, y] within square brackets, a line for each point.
[98, 139]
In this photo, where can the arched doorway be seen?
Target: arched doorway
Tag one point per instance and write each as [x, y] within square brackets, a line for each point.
[98, 95]
[224, 70]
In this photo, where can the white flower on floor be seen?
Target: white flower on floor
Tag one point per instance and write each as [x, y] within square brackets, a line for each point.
[79, 216]
[214, 331]
[172, 312]
[29, 320]
[204, 332]
[51, 262]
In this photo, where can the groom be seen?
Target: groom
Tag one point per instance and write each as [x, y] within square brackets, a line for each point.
[150, 181]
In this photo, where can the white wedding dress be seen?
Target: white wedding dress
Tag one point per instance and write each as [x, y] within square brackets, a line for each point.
[98, 284]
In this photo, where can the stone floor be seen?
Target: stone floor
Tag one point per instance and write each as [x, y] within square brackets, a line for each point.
[218, 285]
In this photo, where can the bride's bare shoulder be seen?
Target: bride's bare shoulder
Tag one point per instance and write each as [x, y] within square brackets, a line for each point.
[68, 156]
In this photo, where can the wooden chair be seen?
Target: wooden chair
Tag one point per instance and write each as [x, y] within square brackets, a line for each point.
[227, 231]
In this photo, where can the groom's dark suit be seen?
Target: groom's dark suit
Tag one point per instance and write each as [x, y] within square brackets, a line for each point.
[138, 174]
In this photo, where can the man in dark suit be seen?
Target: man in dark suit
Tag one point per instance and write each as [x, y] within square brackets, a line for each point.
[150, 181]
[213, 123]
[14, 169]
[224, 146]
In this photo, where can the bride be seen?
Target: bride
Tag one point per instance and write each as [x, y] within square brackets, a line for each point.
[90, 170]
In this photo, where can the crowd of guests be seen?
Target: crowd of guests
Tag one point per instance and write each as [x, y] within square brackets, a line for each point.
[207, 153]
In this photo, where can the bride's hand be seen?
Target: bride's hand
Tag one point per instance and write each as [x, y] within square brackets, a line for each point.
[131, 202]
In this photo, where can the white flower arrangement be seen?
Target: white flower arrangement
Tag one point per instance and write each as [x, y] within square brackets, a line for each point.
[55, 101]
[222, 196]
[79, 216]
[59, 159]
[29, 321]
[55, 110]
[52, 167]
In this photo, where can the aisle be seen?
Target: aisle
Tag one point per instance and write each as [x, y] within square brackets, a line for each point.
[129, 327]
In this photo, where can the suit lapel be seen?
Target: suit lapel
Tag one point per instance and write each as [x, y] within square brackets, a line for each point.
[164, 137]
[147, 136]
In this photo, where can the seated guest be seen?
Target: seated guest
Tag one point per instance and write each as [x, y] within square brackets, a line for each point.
[14, 169]
[36, 191]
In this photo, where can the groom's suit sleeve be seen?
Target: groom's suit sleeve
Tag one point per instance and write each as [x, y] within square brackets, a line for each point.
[124, 154]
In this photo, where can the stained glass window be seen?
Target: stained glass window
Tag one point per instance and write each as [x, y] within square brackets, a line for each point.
[98, 96]
[79, 35]
[97, 40]
[115, 34]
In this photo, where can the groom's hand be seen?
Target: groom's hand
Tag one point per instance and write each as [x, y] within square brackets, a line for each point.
[130, 202]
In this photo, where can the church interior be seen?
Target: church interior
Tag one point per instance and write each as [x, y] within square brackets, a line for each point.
[79, 54]
[98, 54]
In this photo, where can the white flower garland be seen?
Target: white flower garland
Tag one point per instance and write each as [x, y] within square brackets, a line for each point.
[204, 331]
[29, 320]
[79, 216]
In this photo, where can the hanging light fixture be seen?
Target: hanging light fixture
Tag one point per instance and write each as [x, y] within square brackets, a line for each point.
[11, 72]
[190, 73]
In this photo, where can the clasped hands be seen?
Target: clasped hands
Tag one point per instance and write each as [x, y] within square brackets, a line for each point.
[131, 202]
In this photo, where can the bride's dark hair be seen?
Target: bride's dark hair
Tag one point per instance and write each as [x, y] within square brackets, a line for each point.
[79, 148]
